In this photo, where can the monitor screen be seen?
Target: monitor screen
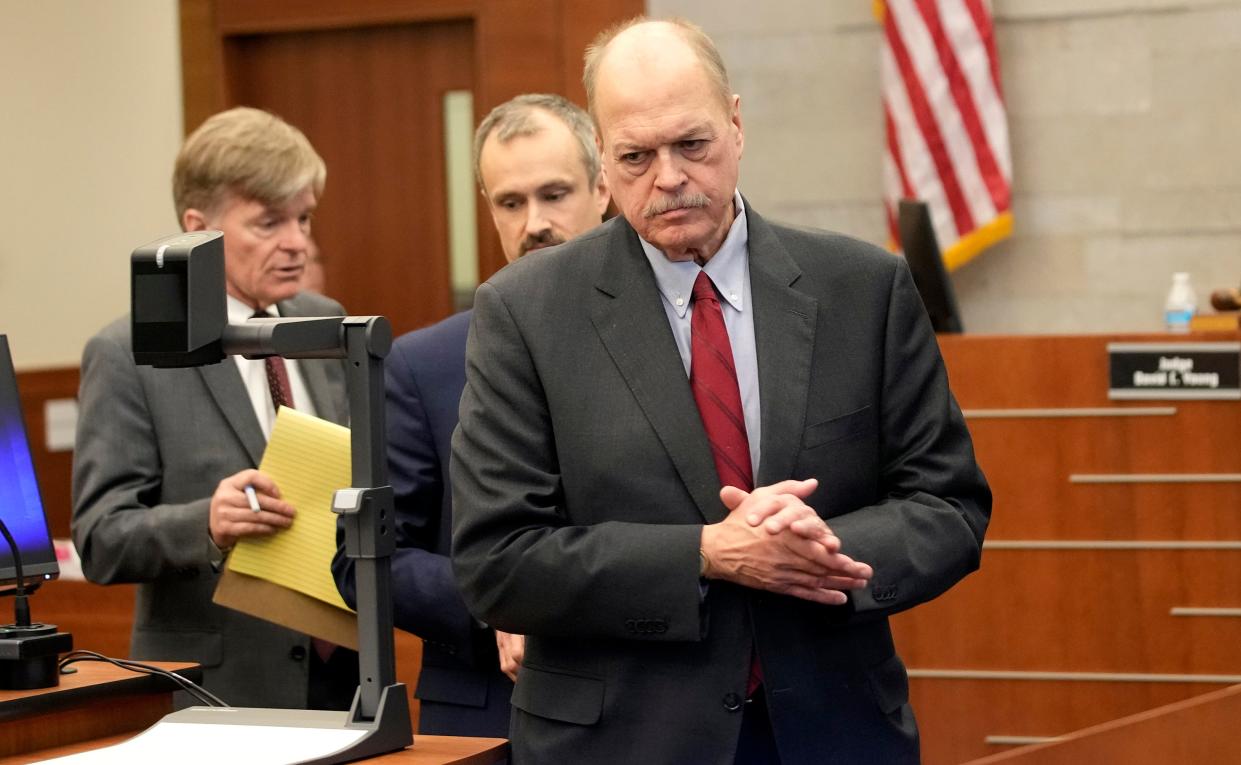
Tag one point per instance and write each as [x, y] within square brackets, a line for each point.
[927, 266]
[21, 507]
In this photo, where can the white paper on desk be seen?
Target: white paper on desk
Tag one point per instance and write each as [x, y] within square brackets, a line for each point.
[198, 744]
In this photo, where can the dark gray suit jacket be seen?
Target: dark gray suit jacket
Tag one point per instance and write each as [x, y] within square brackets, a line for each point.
[582, 477]
[152, 445]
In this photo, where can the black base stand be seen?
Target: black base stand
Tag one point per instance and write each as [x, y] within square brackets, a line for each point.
[28, 656]
[389, 731]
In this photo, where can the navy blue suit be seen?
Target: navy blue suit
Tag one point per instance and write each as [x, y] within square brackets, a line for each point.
[462, 690]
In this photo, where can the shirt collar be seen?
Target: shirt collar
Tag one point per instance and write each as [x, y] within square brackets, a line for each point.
[239, 312]
[726, 268]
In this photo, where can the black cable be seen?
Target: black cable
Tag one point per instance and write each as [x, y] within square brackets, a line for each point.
[21, 606]
[201, 694]
[197, 691]
[183, 683]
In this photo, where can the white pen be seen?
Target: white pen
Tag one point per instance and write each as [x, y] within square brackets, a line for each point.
[253, 498]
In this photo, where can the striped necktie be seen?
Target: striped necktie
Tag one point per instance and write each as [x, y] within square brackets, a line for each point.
[277, 376]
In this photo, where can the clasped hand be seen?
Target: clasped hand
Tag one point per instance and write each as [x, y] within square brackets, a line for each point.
[772, 540]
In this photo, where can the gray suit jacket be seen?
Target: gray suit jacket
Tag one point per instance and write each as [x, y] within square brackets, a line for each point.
[152, 445]
[582, 477]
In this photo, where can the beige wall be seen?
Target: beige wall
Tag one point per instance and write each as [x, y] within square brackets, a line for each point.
[1126, 133]
[90, 120]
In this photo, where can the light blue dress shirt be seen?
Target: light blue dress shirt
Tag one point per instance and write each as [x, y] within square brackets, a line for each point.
[729, 270]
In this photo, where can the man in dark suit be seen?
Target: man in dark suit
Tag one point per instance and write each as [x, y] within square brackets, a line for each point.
[702, 457]
[538, 167]
[163, 456]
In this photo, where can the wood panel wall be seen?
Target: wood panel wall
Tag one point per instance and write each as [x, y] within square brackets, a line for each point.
[98, 617]
[54, 469]
[1101, 614]
[1200, 729]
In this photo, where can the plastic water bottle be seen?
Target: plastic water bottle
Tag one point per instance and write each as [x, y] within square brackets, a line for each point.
[1181, 304]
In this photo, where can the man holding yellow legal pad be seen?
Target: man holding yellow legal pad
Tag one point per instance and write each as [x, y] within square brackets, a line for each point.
[163, 456]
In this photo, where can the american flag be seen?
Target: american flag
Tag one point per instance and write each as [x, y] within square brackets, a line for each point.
[947, 133]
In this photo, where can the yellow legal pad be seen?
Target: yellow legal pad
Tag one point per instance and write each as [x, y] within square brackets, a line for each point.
[308, 458]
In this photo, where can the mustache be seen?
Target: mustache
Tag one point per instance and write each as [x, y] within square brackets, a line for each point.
[542, 239]
[677, 202]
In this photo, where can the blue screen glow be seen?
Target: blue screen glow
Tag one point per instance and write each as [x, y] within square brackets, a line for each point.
[21, 507]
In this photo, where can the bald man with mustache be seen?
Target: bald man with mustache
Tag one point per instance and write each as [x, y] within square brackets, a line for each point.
[702, 457]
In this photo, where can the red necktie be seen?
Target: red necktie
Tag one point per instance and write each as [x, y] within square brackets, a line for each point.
[282, 395]
[278, 382]
[277, 376]
[713, 379]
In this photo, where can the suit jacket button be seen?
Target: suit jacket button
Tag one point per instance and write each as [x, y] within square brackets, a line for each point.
[732, 702]
[297, 653]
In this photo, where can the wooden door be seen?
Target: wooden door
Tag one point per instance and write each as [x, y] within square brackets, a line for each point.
[370, 99]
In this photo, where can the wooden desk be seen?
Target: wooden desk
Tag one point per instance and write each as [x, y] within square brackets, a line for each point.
[97, 700]
[100, 705]
[427, 750]
[100, 618]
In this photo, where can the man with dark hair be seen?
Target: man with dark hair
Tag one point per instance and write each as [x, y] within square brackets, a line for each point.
[702, 457]
[537, 165]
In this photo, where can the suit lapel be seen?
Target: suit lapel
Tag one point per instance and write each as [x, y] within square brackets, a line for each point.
[315, 377]
[230, 394]
[314, 373]
[224, 383]
[784, 322]
[630, 319]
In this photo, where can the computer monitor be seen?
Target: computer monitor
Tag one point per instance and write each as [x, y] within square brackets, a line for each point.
[927, 265]
[21, 505]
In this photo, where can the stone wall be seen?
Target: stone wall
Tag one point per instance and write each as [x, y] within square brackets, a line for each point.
[1126, 141]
